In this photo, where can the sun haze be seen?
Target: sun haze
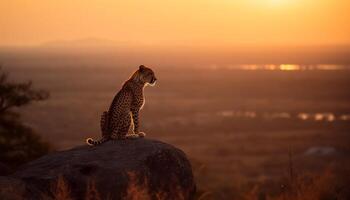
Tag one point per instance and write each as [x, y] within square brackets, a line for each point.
[159, 22]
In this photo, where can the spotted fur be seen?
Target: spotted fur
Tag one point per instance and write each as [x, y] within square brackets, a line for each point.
[125, 108]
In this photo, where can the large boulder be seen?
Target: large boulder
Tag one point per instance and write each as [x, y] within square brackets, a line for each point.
[123, 169]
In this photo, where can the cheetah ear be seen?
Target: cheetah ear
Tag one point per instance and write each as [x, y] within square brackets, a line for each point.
[142, 67]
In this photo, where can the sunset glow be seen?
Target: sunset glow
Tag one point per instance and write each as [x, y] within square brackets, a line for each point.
[290, 67]
[277, 2]
[251, 99]
[195, 23]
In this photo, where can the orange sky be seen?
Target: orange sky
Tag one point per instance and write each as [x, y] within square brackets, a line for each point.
[180, 22]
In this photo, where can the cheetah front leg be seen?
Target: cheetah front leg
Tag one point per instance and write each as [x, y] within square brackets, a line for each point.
[135, 119]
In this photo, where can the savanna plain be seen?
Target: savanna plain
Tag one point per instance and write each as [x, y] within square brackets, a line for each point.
[250, 134]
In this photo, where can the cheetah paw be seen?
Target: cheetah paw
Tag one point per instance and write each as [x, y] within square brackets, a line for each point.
[132, 136]
[141, 134]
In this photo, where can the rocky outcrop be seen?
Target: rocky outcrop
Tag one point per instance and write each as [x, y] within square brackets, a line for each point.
[123, 169]
[4, 169]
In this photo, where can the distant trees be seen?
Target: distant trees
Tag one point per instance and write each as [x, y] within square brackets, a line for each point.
[18, 142]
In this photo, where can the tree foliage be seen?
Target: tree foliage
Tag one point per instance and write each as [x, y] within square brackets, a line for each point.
[18, 142]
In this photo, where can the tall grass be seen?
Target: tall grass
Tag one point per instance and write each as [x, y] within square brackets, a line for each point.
[137, 189]
[326, 185]
[61, 190]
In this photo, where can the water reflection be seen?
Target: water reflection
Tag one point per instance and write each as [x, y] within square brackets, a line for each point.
[345, 117]
[282, 115]
[328, 117]
[284, 67]
[240, 114]
[209, 118]
[289, 67]
[324, 116]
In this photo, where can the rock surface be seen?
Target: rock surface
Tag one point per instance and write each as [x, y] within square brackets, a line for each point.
[124, 169]
[4, 169]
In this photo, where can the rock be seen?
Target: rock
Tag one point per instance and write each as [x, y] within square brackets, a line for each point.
[4, 169]
[123, 169]
[12, 188]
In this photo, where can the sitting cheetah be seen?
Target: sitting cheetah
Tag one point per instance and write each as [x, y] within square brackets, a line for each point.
[125, 108]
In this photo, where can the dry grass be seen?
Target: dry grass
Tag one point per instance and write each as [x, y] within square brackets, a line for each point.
[91, 191]
[138, 189]
[61, 190]
[135, 190]
[307, 187]
[330, 184]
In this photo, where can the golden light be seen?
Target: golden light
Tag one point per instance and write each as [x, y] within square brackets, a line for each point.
[198, 22]
[289, 67]
[277, 2]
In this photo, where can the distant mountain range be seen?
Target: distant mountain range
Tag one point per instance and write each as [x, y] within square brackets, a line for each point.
[85, 42]
[125, 51]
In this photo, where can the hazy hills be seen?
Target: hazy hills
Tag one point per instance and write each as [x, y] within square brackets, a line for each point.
[99, 51]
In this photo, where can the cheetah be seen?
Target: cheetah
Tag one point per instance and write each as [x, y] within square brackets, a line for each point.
[125, 108]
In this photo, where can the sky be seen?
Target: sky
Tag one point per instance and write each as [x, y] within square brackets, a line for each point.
[180, 22]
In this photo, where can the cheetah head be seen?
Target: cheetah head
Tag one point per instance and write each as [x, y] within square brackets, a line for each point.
[147, 75]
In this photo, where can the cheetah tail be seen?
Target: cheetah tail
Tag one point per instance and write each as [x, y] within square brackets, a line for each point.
[93, 142]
